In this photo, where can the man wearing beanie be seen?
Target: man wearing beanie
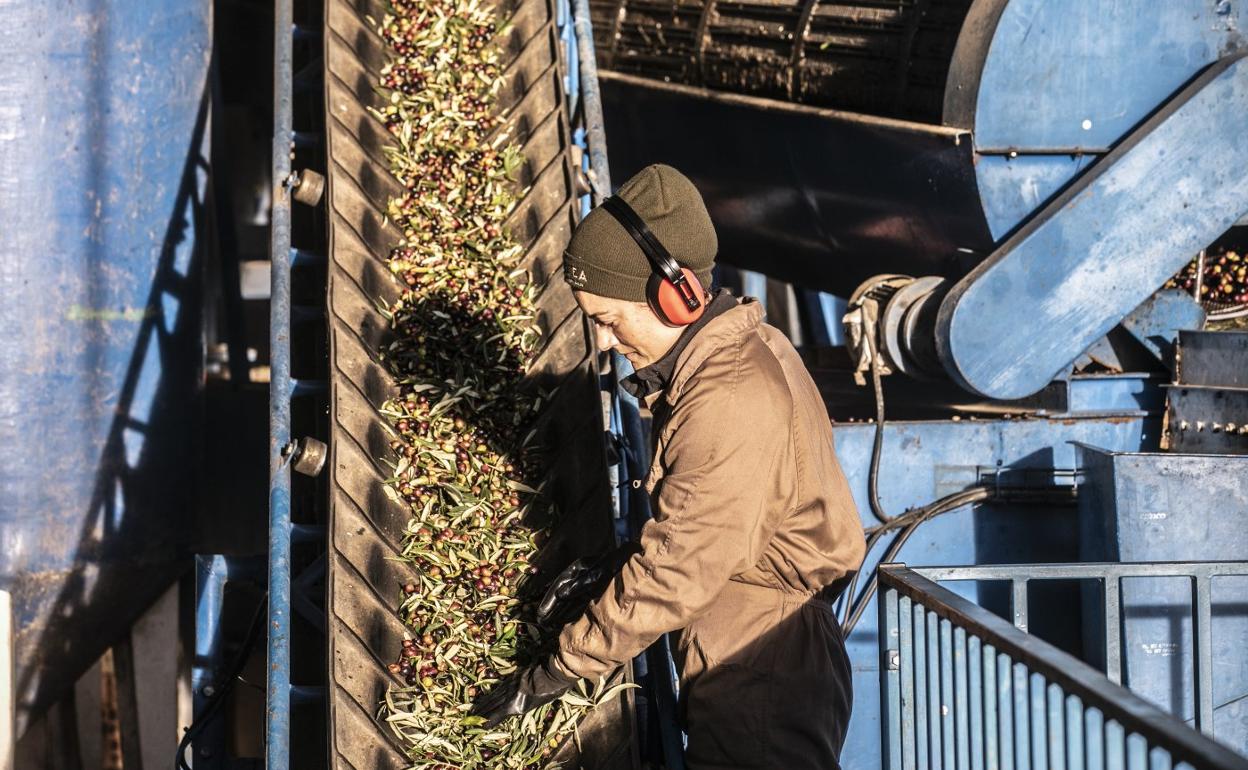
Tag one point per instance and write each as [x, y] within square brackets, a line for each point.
[754, 531]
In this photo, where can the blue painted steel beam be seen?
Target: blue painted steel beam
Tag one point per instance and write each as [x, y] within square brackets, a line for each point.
[281, 388]
[1102, 247]
[591, 100]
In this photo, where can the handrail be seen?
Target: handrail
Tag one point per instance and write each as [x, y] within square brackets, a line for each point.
[277, 672]
[1111, 574]
[1085, 570]
[952, 628]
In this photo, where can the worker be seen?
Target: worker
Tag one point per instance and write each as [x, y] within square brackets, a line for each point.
[754, 531]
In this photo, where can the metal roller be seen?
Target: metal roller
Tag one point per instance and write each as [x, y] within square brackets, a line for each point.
[1025, 103]
[887, 59]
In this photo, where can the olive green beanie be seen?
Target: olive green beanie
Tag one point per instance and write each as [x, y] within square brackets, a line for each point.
[603, 259]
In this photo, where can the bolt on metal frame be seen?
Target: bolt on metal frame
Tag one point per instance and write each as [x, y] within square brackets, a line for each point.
[963, 688]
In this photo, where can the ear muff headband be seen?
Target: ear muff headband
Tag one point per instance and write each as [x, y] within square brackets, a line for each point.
[662, 264]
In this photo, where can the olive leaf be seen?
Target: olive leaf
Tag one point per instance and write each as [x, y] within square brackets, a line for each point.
[462, 432]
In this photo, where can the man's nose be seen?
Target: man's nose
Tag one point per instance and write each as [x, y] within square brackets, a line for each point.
[604, 337]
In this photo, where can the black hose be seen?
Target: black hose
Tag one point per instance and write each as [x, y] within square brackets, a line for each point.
[873, 472]
[877, 446]
[908, 522]
[218, 697]
[873, 537]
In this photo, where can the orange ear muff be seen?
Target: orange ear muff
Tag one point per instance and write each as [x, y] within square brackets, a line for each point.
[666, 303]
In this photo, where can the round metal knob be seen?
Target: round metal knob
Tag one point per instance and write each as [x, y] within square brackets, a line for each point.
[308, 187]
[309, 456]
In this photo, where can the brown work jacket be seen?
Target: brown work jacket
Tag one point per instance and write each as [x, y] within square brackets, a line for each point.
[753, 522]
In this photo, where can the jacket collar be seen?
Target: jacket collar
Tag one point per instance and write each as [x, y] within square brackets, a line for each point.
[649, 380]
[725, 329]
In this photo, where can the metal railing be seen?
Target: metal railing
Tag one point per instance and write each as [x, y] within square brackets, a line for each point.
[963, 688]
[1110, 575]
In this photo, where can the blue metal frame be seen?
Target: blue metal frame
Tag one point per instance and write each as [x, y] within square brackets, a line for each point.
[939, 655]
[281, 388]
[1110, 576]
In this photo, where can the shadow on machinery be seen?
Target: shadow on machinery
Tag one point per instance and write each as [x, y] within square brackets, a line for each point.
[132, 535]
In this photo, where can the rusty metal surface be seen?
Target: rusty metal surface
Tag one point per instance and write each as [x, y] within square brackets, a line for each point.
[881, 58]
[364, 578]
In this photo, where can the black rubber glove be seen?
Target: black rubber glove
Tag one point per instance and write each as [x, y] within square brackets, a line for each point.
[581, 582]
[519, 693]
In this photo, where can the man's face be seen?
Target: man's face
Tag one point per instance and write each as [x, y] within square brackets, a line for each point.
[629, 328]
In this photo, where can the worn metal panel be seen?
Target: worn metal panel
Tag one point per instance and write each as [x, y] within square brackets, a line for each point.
[103, 110]
[1214, 358]
[1063, 75]
[1170, 507]
[367, 527]
[1084, 73]
[1207, 420]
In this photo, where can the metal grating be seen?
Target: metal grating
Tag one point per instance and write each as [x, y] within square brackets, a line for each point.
[366, 526]
[881, 57]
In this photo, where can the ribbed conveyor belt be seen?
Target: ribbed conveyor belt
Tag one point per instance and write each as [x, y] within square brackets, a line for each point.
[366, 525]
[880, 57]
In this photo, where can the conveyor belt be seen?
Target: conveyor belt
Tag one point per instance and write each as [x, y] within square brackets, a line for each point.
[364, 579]
[879, 57]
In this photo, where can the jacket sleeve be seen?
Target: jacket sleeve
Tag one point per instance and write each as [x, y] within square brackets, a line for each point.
[716, 510]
